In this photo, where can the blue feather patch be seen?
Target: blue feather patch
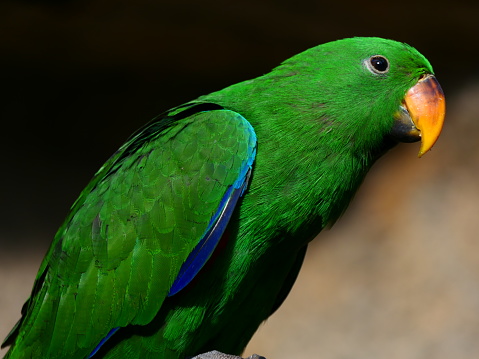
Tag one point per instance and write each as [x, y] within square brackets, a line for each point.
[202, 252]
[110, 333]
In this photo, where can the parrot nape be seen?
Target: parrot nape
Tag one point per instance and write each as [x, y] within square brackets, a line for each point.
[194, 231]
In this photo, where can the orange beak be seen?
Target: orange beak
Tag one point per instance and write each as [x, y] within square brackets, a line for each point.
[426, 106]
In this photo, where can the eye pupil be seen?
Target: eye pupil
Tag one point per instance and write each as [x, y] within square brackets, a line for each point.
[379, 63]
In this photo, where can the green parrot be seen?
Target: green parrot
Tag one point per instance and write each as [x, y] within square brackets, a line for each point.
[194, 231]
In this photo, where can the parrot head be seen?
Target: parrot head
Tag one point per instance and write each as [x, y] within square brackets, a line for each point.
[372, 88]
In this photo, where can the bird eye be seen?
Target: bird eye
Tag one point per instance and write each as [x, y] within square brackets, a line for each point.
[378, 64]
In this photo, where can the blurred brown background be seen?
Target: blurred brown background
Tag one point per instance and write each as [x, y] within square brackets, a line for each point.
[398, 275]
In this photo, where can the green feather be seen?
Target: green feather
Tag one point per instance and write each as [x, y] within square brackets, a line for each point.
[321, 118]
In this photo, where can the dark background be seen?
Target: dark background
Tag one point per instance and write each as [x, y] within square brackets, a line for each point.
[397, 277]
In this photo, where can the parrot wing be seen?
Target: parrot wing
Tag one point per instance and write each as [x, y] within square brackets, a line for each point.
[140, 231]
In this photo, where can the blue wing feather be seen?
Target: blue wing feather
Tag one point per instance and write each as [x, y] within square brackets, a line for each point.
[203, 251]
[110, 333]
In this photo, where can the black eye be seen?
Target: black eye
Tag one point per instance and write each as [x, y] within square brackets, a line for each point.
[379, 64]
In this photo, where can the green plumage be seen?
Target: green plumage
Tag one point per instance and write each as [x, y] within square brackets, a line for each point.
[321, 120]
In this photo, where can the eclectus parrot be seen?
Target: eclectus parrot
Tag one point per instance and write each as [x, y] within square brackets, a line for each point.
[194, 231]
